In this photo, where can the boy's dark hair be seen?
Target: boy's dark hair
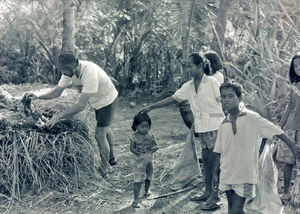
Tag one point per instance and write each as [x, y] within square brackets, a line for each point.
[294, 78]
[139, 118]
[67, 58]
[197, 59]
[237, 88]
[214, 60]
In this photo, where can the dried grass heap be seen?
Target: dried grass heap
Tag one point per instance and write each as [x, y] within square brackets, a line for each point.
[33, 157]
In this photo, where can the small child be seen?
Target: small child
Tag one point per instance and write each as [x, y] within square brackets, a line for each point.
[237, 148]
[142, 145]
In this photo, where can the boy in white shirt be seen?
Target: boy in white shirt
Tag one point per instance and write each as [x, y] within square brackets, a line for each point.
[237, 147]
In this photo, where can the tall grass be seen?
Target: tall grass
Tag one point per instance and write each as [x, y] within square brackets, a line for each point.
[269, 45]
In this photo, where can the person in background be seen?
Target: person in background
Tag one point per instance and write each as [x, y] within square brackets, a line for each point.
[290, 119]
[142, 145]
[216, 65]
[98, 90]
[237, 148]
[203, 95]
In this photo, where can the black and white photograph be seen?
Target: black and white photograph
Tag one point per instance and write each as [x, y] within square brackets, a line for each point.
[149, 106]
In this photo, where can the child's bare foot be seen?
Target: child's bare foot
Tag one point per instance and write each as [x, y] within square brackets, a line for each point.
[135, 204]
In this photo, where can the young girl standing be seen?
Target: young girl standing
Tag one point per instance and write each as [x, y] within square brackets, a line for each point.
[291, 119]
[142, 145]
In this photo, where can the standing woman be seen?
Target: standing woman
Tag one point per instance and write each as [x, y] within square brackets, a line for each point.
[203, 94]
[291, 119]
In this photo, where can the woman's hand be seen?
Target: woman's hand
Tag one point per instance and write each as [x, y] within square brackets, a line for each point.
[147, 109]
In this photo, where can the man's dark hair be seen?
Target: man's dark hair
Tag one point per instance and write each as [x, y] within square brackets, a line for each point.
[197, 59]
[67, 58]
[237, 88]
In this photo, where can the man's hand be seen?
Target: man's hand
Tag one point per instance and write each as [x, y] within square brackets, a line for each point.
[53, 121]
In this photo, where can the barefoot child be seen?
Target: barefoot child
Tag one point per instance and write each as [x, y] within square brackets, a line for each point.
[237, 148]
[290, 119]
[142, 145]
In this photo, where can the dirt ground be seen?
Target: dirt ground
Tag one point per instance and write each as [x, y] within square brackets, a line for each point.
[115, 197]
[170, 132]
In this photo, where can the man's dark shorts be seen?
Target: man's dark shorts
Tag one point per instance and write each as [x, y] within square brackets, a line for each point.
[104, 116]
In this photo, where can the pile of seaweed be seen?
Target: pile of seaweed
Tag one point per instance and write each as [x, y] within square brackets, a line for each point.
[34, 156]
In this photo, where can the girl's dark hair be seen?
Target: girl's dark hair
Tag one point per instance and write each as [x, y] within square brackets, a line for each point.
[237, 88]
[139, 118]
[214, 60]
[294, 78]
[197, 59]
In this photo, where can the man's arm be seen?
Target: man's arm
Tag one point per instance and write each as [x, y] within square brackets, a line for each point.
[76, 108]
[53, 93]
